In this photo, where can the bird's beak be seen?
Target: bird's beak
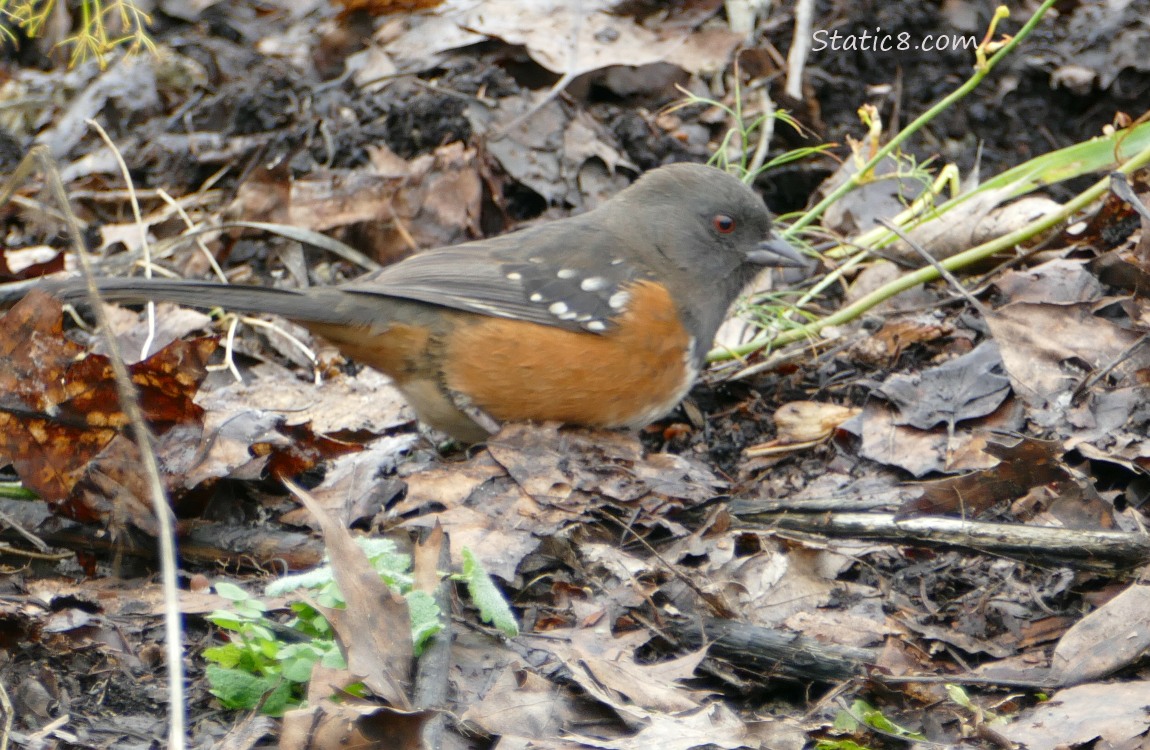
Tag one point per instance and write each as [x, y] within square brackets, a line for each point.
[775, 251]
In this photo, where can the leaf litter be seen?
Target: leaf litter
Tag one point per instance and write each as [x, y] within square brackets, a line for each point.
[614, 548]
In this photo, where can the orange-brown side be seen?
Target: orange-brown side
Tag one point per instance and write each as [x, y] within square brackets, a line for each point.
[628, 376]
[397, 350]
[407, 353]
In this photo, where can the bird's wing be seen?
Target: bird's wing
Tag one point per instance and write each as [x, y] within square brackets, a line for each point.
[556, 278]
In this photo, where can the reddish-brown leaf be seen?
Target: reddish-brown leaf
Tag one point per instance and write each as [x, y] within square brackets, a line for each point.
[61, 425]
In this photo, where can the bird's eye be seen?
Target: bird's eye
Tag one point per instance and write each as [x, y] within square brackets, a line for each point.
[723, 224]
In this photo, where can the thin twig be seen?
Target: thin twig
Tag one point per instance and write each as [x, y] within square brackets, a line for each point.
[15, 525]
[766, 131]
[211, 259]
[9, 716]
[1122, 357]
[800, 48]
[129, 402]
[145, 247]
[942, 271]
[229, 362]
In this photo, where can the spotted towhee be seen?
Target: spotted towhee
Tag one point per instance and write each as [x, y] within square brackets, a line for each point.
[601, 319]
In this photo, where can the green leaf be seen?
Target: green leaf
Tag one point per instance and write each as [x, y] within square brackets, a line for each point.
[959, 696]
[237, 689]
[312, 579]
[266, 645]
[876, 719]
[281, 697]
[227, 620]
[231, 591]
[330, 597]
[845, 722]
[297, 661]
[227, 655]
[493, 608]
[424, 614]
[333, 659]
[259, 665]
[251, 608]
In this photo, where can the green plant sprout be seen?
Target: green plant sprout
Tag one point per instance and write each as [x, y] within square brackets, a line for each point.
[1124, 151]
[267, 665]
[1127, 151]
[748, 164]
[862, 715]
[982, 716]
[92, 37]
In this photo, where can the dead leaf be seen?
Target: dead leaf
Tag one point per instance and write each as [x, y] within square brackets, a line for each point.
[973, 222]
[710, 726]
[328, 725]
[29, 263]
[1025, 464]
[375, 628]
[807, 421]
[522, 704]
[551, 150]
[1048, 350]
[1115, 713]
[604, 665]
[561, 37]
[60, 424]
[923, 451]
[1056, 282]
[365, 401]
[1108, 639]
[898, 334]
[966, 387]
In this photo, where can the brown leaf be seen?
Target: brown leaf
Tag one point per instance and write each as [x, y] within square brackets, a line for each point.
[1024, 465]
[1093, 715]
[375, 628]
[328, 725]
[32, 270]
[1106, 640]
[60, 421]
[302, 451]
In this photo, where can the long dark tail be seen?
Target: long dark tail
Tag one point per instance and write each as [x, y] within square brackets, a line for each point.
[319, 305]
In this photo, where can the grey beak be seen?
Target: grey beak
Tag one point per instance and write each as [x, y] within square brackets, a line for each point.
[775, 251]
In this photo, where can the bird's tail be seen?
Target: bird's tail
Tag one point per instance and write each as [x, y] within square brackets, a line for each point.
[318, 305]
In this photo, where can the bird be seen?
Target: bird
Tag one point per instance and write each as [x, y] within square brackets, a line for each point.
[602, 319]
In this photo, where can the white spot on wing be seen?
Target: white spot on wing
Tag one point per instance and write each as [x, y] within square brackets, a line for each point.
[515, 276]
[536, 297]
[594, 284]
[557, 308]
[619, 300]
[597, 326]
[567, 273]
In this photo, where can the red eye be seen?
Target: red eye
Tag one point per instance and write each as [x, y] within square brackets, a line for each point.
[723, 224]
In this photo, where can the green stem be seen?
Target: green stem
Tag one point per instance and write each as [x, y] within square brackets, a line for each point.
[971, 83]
[928, 273]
